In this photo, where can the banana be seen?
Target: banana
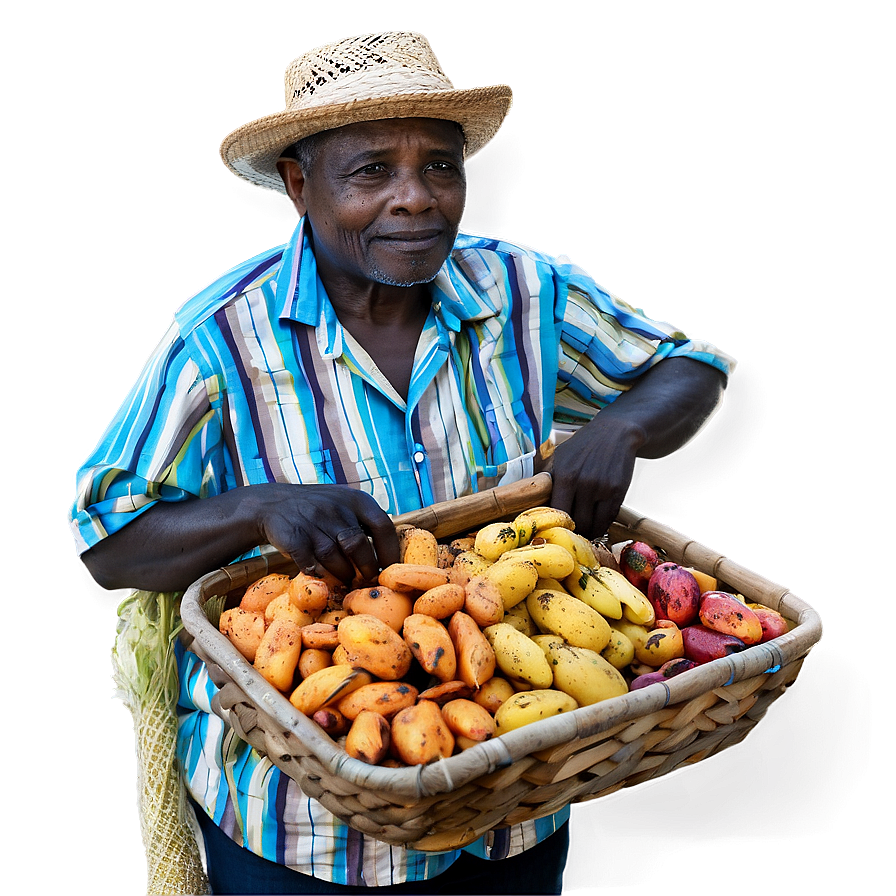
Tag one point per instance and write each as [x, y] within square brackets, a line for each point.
[583, 674]
[514, 578]
[567, 616]
[466, 565]
[635, 633]
[493, 540]
[576, 544]
[635, 605]
[526, 707]
[553, 561]
[665, 642]
[327, 685]
[518, 656]
[584, 585]
[520, 618]
[620, 651]
[541, 518]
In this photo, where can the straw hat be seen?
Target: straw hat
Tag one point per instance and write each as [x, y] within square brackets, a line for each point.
[364, 78]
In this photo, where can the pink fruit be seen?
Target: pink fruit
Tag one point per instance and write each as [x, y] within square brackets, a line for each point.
[724, 613]
[648, 678]
[637, 562]
[702, 644]
[674, 593]
[773, 623]
[665, 672]
[676, 667]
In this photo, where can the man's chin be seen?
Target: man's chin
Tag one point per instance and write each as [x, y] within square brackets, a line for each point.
[405, 278]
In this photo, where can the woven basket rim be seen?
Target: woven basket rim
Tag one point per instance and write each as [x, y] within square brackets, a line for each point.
[448, 774]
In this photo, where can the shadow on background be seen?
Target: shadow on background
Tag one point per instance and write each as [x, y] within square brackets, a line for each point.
[776, 781]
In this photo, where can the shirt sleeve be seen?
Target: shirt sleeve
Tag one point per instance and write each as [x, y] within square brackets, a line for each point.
[605, 345]
[164, 444]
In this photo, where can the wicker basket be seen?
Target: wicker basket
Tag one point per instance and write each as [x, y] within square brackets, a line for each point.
[532, 771]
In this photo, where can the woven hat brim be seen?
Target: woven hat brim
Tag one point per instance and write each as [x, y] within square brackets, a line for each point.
[251, 152]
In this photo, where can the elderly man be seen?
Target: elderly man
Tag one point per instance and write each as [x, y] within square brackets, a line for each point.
[378, 362]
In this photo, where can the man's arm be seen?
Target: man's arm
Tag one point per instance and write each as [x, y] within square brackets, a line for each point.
[664, 408]
[172, 544]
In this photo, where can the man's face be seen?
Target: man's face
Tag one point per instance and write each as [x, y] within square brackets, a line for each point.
[384, 199]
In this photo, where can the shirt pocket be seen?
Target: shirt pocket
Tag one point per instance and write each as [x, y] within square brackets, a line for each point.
[510, 452]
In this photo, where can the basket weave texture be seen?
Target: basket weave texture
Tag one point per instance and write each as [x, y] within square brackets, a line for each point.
[532, 771]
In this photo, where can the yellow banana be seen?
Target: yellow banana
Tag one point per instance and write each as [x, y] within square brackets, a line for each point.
[637, 634]
[494, 539]
[553, 561]
[514, 578]
[576, 544]
[466, 565]
[635, 605]
[620, 651]
[526, 707]
[544, 518]
[584, 585]
[518, 656]
[567, 616]
[520, 618]
[584, 674]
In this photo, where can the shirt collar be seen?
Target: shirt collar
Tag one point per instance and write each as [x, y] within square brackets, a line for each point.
[463, 290]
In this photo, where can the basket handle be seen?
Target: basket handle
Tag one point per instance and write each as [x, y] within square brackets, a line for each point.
[449, 517]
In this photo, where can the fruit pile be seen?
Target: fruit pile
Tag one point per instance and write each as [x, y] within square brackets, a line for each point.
[465, 640]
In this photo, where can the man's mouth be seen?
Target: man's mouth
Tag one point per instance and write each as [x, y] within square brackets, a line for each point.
[412, 240]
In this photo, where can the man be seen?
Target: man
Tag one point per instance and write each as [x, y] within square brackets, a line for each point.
[377, 363]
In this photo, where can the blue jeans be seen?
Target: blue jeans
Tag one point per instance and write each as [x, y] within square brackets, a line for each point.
[233, 869]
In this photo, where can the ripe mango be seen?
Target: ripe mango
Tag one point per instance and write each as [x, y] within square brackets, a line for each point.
[702, 644]
[724, 613]
[637, 561]
[674, 593]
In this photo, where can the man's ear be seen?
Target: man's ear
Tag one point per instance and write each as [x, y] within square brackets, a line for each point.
[294, 181]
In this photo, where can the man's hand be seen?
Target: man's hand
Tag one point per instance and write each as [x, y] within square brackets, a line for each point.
[328, 525]
[664, 408]
[592, 472]
[171, 545]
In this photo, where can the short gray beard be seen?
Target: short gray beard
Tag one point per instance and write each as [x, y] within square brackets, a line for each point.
[379, 277]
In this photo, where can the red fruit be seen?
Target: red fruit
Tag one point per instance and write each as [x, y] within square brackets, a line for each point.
[724, 613]
[674, 593]
[773, 623]
[676, 667]
[637, 563]
[702, 644]
[648, 678]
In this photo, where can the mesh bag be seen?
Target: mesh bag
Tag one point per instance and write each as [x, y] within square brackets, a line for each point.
[146, 676]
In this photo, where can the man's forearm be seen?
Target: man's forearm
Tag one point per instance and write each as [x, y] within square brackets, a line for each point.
[668, 405]
[663, 410]
[169, 546]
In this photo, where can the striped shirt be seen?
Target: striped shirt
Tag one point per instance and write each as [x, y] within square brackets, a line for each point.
[256, 381]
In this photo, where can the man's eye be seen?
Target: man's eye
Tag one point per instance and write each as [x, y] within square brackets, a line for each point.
[374, 168]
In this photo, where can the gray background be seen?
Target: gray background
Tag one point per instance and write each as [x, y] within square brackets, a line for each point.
[726, 166]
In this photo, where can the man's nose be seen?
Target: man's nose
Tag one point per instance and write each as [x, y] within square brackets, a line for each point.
[412, 193]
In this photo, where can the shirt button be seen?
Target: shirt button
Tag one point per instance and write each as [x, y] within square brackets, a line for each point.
[419, 457]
